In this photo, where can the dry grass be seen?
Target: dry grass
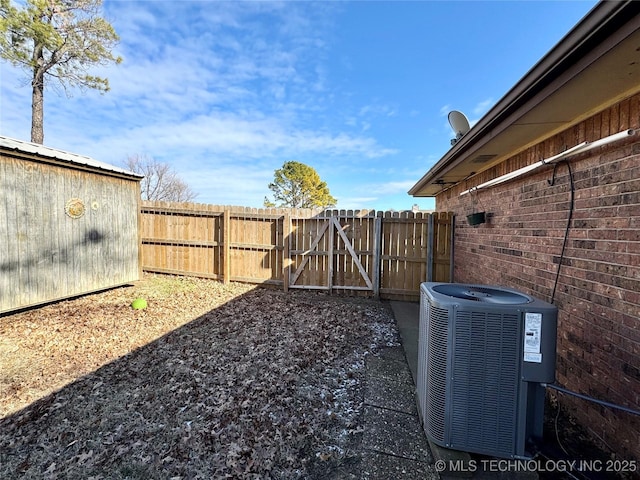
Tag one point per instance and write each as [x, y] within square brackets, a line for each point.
[42, 350]
[210, 381]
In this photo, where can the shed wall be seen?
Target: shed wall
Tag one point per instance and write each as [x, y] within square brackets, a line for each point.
[598, 291]
[48, 255]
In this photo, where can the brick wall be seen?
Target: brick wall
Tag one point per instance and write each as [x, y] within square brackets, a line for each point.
[598, 292]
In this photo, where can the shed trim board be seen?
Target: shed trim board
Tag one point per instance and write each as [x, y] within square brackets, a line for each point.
[40, 153]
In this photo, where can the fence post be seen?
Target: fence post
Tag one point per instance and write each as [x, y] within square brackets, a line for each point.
[377, 250]
[286, 241]
[226, 232]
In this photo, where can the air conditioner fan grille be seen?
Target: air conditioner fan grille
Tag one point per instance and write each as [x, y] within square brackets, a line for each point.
[482, 294]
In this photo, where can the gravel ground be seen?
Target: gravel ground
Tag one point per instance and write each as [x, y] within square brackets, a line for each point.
[209, 381]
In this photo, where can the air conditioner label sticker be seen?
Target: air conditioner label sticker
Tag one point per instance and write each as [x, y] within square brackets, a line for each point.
[532, 333]
[533, 357]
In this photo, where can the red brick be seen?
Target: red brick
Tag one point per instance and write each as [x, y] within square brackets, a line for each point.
[598, 293]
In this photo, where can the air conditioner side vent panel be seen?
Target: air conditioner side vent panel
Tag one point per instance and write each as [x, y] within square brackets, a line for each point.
[437, 376]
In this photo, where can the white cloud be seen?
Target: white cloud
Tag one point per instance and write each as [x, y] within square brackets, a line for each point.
[354, 203]
[230, 184]
[390, 188]
[223, 97]
[377, 110]
[483, 107]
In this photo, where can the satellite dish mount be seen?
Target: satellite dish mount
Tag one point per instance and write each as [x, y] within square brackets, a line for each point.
[459, 124]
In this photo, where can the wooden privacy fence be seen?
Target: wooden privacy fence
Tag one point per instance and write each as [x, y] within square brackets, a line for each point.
[381, 254]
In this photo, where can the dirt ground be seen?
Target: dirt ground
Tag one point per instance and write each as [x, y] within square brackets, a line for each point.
[209, 381]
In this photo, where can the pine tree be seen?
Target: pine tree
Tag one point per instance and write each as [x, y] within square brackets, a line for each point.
[56, 40]
[298, 185]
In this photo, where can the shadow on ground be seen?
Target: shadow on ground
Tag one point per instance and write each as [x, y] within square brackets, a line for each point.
[269, 384]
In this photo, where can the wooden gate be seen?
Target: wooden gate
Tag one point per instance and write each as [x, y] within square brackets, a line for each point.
[335, 252]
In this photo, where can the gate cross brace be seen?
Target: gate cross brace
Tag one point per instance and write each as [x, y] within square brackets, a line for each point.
[347, 243]
[335, 223]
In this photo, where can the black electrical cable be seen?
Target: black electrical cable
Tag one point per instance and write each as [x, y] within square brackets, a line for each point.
[566, 232]
[555, 285]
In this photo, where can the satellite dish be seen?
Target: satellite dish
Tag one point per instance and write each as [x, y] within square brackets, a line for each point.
[459, 124]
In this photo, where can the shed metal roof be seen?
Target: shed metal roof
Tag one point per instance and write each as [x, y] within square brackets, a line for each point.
[596, 65]
[20, 146]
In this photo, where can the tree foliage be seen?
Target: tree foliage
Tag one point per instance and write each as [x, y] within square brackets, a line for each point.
[298, 185]
[56, 40]
[160, 182]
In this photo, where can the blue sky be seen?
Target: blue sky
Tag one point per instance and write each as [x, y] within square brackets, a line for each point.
[226, 92]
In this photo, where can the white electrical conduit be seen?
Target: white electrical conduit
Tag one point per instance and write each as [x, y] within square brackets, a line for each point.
[582, 147]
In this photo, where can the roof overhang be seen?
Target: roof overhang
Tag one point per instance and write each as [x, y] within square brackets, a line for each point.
[594, 66]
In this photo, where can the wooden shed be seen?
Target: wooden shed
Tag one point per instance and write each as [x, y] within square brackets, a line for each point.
[69, 225]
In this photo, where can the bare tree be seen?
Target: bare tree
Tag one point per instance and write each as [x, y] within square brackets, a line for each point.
[160, 182]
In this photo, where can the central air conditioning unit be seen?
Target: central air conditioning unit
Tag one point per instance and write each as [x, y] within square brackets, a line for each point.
[483, 353]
